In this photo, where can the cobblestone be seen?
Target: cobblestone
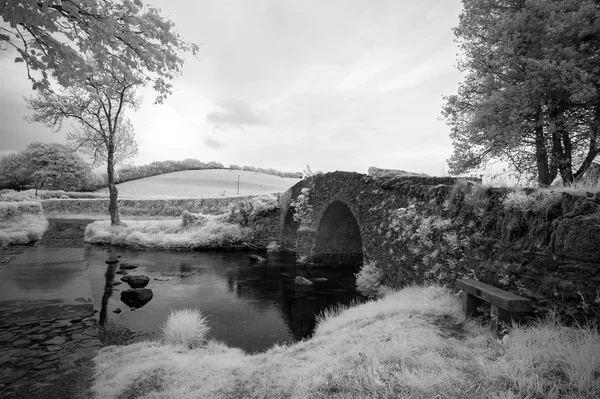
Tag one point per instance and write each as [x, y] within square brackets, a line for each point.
[64, 343]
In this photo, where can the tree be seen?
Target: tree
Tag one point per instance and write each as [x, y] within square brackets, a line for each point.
[531, 92]
[97, 104]
[14, 171]
[56, 166]
[57, 36]
[49, 165]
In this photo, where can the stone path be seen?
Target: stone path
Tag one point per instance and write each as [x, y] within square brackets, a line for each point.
[47, 330]
[35, 353]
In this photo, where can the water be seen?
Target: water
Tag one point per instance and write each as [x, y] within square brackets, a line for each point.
[248, 305]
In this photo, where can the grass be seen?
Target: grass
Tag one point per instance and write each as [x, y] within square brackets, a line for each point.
[169, 234]
[21, 222]
[24, 230]
[203, 183]
[410, 344]
[186, 327]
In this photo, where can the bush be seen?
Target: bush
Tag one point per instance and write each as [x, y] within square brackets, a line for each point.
[273, 247]
[8, 195]
[368, 280]
[15, 210]
[186, 327]
[246, 211]
[30, 195]
[193, 219]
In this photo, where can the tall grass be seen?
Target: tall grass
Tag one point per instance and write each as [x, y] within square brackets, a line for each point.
[547, 360]
[26, 229]
[21, 222]
[413, 343]
[169, 234]
[186, 327]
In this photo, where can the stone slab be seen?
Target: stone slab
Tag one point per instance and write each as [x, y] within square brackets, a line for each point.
[51, 275]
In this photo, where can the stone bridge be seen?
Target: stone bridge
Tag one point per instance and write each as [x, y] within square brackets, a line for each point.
[341, 220]
[544, 245]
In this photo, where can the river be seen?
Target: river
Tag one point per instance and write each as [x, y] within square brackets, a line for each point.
[247, 304]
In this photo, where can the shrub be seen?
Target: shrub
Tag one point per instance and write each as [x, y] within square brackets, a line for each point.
[273, 247]
[31, 195]
[14, 196]
[368, 280]
[301, 205]
[186, 327]
[246, 211]
[193, 219]
[15, 210]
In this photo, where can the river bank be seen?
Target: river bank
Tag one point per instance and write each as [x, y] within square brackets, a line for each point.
[411, 344]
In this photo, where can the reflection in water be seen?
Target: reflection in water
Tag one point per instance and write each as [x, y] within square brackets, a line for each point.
[137, 297]
[298, 304]
[108, 290]
[248, 305]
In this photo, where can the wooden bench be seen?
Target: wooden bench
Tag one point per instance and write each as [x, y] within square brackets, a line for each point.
[506, 306]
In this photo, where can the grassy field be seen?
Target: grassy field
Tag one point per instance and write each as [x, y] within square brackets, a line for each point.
[412, 344]
[203, 183]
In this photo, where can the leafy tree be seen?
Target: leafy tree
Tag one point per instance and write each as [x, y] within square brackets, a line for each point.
[53, 166]
[531, 92]
[56, 36]
[56, 166]
[14, 171]
[97, 104]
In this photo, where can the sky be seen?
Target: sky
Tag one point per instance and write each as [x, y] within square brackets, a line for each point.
[337, 85]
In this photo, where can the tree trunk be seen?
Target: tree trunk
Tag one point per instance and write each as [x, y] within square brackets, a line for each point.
[593, 149]
[541, 153]
[113, 207]
[561, 141]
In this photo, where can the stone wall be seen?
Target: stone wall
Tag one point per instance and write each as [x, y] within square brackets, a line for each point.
[142, 207]
[542, 245]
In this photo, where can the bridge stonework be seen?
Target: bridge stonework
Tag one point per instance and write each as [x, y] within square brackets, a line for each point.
[350, 208]
[435, 229]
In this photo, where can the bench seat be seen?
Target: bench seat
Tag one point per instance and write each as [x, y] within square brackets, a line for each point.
[505, 306]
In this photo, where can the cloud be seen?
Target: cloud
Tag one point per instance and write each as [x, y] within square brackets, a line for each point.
[213, 143]
[361, 76]
[236, 113]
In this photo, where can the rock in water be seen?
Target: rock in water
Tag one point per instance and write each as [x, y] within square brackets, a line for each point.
[127, 265]
[136, 298]
[136, 281]
[299, 280]
[256, 258]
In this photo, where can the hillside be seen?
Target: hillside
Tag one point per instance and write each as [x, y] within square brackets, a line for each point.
[203, 183]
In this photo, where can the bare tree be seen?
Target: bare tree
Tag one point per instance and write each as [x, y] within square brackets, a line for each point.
[97, 104]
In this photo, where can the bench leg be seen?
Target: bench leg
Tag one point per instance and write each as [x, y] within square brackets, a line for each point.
[502, 316]
[470, 304]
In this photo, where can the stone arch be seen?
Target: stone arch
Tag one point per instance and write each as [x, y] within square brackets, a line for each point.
[289, 231]
[338, 239]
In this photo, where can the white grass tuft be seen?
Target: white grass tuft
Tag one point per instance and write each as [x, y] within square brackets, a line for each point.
[186, 327]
